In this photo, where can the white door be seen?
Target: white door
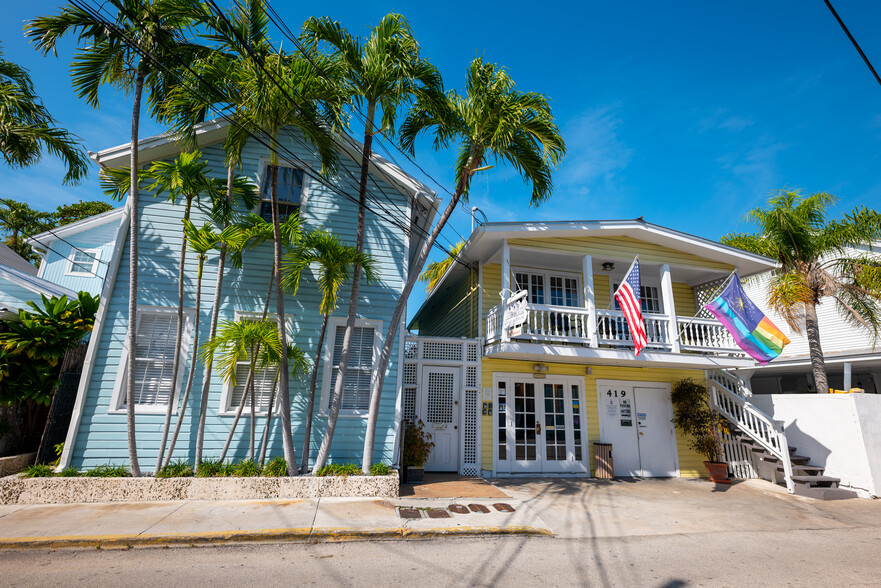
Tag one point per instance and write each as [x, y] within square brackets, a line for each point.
[439, 410]
[657, 444]
[637, 420]
[540, 425]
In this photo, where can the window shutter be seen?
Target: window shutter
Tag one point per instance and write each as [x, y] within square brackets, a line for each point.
[264, 381]
[154, 358]
[356, 390]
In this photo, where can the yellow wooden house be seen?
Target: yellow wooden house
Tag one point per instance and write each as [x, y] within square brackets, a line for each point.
[523, 361]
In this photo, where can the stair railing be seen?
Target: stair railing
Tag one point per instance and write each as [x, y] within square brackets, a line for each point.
[758, 426]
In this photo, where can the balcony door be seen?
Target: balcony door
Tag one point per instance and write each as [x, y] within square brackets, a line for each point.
[539, 425]
[549, 288]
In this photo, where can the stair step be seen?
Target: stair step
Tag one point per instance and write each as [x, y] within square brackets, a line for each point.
[804, 470]
[825, 493]
[817, 481]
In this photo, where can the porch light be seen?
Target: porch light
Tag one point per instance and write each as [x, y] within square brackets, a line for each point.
[540, 368]
[608, 266]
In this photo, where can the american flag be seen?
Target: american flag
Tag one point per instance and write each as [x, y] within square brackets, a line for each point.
[627, 297]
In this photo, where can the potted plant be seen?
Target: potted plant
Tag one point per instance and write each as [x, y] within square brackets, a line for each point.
[417, 447]
[693, 416]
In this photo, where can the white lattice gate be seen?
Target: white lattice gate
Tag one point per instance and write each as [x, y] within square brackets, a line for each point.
[432, 365]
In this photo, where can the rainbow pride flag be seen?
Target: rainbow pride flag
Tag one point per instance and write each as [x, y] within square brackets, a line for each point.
[751, 329]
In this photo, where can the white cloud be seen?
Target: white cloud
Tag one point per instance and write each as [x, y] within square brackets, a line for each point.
[595, 152]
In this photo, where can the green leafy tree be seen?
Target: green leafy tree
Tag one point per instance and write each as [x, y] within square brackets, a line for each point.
[816, 265]
[71, 213]
[492, 120]
[382, 73]
[27, 128]
[32, 346]
[143, 41]
[19, 221]
[333, 263]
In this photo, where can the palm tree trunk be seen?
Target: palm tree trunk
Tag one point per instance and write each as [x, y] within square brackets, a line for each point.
[304, 463]
[215, 314]
[189, 386]
[818, 365]
[253, 421]
[388, 344]
[336, 399]
[265, 440]
[290, 455]
[133, 277]
[178, 341]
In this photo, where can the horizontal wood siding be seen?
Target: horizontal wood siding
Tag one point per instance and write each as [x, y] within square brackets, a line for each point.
[101, 437]
[58, 254]
[457, 315]
[620, 248]
[690, 463]
[683, 298]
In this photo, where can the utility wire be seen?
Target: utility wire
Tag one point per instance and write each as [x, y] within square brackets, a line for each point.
[854, 41]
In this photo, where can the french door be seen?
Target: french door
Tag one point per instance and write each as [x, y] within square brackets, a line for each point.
[539, 425]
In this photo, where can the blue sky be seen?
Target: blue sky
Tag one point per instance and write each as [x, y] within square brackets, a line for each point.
[686, 113]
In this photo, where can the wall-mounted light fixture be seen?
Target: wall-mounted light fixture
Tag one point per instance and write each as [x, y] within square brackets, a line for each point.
[539, 371]
[608, 266]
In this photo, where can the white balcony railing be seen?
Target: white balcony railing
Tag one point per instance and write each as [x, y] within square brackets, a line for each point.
[542, 322]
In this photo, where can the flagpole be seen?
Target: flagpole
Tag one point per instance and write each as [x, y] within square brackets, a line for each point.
[715, 293]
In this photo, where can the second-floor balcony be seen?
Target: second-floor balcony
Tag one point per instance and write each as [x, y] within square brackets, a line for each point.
[542, 323]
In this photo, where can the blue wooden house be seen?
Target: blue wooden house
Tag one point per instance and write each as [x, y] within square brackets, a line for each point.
[21, 283]
[401, 209]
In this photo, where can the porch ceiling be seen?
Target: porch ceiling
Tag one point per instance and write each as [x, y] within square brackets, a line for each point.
[619, 357]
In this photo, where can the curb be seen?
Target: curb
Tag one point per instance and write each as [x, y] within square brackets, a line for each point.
[267, 535]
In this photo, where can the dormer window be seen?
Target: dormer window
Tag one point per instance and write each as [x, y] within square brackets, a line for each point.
[290, 192]
[83, 262]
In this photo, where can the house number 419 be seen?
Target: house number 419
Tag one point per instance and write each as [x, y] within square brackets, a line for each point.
[616, 393]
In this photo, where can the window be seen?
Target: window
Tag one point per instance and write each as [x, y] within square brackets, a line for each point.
[650, 300]
[83, 262]
[264, 381]
[154, 360]
[290, 192]
[359, 375]
[563, 289]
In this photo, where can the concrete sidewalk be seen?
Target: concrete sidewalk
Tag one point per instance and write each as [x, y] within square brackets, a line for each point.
[129, 524]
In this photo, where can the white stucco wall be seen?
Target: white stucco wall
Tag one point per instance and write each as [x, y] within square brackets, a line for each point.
[841, 432]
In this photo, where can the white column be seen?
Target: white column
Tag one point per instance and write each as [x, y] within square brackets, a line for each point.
[589, 299]
[506, 285]
[847, 376]
[746, 376]
[669, 306]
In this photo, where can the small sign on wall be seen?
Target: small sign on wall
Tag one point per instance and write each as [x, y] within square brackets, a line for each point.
[487, 394]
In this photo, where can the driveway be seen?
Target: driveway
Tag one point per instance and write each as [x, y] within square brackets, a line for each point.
[628, 507]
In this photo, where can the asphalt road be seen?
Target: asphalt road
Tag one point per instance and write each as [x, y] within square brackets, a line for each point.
[832, 557]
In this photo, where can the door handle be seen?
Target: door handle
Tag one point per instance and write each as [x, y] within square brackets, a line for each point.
[538, 428]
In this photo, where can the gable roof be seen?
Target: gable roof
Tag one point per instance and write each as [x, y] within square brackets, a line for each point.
[41, 240]
[213, 131]
[486, 240]
[33, 283]
[10, 258]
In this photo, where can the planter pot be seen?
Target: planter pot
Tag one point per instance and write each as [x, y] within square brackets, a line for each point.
[415, 475]
[718, 472]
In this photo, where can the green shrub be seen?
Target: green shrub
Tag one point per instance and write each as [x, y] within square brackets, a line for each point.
[109, 471]
[380, 469]
[339, 469]
[227, 470]
[176, 469]
[417, 444]
[210, 468]
[69, 472]
[276, 467]
[693, 416]
[40, 470]
[246, 468]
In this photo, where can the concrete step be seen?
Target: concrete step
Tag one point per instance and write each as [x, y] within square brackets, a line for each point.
[817, 481]
[824, 493]
[804, 470]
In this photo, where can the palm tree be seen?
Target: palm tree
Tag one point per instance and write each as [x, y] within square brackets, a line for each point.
[298, 368]
[201, 241]
[334, 262]
[253, 340]
[435, 270]
[17, 219]
[281, 91]
[26, 127]
[130, 52]
[385, 71]
[492, 120]
[815, 263]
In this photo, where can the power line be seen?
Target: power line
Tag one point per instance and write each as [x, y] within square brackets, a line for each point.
[854, 41]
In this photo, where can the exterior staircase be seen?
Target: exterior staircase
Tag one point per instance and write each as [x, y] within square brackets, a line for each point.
[766, 441]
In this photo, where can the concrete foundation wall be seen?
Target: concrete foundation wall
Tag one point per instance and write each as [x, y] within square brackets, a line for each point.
[841, 432]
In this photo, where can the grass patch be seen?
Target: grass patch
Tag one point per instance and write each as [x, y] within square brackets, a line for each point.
[39, 470]
[339, 469]
[380, 469]
[210, 468]
[69, 472]
[246, 468]
[176, 469]
[276, 467]
[109, 471]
